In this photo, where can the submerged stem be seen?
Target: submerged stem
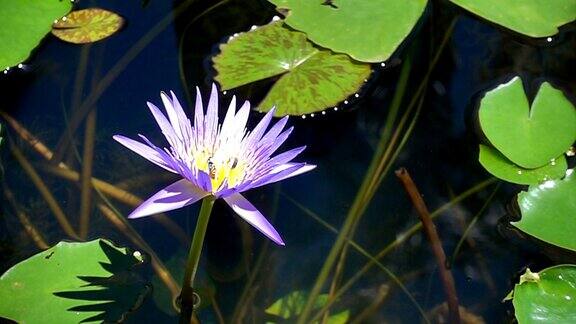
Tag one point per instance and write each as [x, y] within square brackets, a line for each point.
[187, 295]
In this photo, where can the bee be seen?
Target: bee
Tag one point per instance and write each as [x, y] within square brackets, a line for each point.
[211, 168]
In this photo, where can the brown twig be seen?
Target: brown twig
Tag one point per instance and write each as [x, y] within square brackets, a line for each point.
[45, 192]
[430, 229]
[29, 227]
[86, 174]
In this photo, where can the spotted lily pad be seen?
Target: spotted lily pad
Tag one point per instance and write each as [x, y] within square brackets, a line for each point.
[547, 296]
[310, 79]
[24, 25]
[497, 164]
[368, 31]
[291, 305]
[549, 211]
[529, 137]
[87, 25]
[73, 283]
[535, 18]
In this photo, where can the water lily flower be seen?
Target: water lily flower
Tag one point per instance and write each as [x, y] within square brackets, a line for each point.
[215, 159]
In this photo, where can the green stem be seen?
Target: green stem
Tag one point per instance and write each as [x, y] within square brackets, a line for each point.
[187, 295]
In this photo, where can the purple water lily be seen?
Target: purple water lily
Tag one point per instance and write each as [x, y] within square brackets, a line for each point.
[216, 159]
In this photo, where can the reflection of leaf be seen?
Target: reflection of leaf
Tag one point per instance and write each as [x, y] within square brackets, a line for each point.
[87, 25]
[76, 282]
[24, 24]
[547, 296]
[311, 79]
[497, 164]
[549, 211]
[368, 31]
[528, 136]
[292, 305]
[535, 18]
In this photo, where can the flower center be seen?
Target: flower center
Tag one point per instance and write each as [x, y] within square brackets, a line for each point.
[220, 169]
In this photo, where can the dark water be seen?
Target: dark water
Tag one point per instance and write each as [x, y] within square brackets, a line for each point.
[441, 155]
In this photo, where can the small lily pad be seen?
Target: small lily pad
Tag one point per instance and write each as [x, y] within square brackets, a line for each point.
[497, 164]
[533, 18]
[368, 31]
[87, 25]
[547, 296]
[310, 79]
[73, 283]
[291, 305]
[549, 211]
[529, 137]
[24, 24]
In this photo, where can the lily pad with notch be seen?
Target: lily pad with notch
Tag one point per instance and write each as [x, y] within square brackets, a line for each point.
[502, 168]
[528, 136]
[547, 296]
[368, 31]
[549, 210]
[87, 26]
[73, 283]
[310, 79]
[24, 24]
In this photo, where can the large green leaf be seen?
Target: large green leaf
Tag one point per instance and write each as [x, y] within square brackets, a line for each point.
[311, 79]
[549, 211]
[529, 137]
[368, 31]
[73, 283]
[547, 296]
[291, 305]
[497, 164]
[535, 18]
[24, 24]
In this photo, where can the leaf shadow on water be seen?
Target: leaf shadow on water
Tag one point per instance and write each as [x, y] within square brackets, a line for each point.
[112, 297]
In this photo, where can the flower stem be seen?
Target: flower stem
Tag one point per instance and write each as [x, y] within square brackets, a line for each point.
[187, 295]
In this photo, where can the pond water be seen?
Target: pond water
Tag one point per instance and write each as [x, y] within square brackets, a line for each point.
[130, 68]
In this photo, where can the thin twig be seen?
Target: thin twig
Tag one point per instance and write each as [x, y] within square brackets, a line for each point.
[430, 229]
[86, 174]
[45, 192]
[29, 227]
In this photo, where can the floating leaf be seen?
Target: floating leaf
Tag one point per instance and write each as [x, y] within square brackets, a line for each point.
[24, 24]
[72, 283]
[311, 79]
[547, 296]
[291, 305]
[368, 31]
[87, 25]
[497, 164]
[529, 137]
[549, 211]
[535, 18]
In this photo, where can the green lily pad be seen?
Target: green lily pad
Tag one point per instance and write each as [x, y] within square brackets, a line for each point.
[73, 283]
[310, 79]
[291, 305]
[497, 164]
[529, 137]
[549, 210]
[547, 296]
[368, 31]
[534, 18]
[87, 25]
[24, 24]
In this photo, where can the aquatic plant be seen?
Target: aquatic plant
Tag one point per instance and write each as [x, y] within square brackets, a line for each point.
[215, 161]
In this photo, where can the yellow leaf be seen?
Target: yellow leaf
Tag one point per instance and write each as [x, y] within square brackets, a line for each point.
[87, 25]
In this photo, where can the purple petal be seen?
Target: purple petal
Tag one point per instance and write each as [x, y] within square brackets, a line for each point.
[204, 181]
[177, 195]
[211, 122]
[259, 130]
[164, 124]
[250, 214]
[228, 123]
[275, 130]
[175, 113]
[145, 151]
[284, 171]
[199, 115]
